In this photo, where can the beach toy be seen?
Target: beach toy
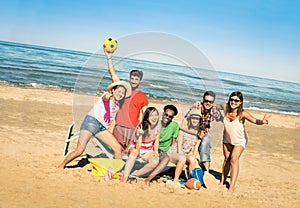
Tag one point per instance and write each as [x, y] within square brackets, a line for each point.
[193, 184]
[108, 175]
[110, 45]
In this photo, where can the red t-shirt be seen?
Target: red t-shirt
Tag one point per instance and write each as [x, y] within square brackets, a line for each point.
[129, 113]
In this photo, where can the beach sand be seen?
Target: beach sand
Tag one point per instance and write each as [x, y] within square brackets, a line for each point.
[33, 128]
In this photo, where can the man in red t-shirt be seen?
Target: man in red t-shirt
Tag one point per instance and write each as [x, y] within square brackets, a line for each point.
[133, 108]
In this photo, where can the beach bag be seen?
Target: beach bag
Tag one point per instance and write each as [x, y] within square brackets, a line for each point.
[198, 173]
[100, 166]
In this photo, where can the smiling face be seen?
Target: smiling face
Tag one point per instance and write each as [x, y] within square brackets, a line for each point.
[134, 81]
[167, 116]
[153, 118]
[119, 93]
[195, 120]
[234, 102]
[208, 101]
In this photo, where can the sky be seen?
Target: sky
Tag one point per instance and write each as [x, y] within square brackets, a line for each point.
[251, 37]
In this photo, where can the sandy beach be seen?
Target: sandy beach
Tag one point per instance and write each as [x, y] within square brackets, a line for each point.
[33, 128]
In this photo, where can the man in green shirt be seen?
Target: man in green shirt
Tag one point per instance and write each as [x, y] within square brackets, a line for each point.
[168, 135]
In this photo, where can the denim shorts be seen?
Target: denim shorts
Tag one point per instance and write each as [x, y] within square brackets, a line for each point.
[204, 149]
[91, 124]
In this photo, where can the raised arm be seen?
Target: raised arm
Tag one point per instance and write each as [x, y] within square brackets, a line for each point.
[111, 67]
[142, 111]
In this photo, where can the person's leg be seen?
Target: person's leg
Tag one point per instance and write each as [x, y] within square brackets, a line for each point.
[234, 165]
[227, 148]
[192, 162]
[204, 151]
[179, 160]
[84, 137]
[129, 164]
[153, 162]
[108, 138]
[164, 160]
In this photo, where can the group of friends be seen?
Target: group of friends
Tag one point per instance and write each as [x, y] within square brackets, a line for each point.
[142, 132]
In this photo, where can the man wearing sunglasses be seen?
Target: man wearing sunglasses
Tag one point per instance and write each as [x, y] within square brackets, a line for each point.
[208, 114]
[168, 134]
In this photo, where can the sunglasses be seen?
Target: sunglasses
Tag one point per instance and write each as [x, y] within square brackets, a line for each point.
[234, 100]
[208, 101]
[169, 116]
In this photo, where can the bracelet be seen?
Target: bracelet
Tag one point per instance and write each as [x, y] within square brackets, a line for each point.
[259, 122]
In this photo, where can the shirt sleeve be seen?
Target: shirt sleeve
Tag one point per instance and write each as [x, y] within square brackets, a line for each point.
[176, 130]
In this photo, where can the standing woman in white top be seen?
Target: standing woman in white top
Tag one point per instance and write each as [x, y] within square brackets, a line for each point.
[234, 136]
[98, 120]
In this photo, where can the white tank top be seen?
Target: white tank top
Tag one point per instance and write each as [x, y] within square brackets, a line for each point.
[234, 132]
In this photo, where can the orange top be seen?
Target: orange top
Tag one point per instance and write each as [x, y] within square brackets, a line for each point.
[129, 113]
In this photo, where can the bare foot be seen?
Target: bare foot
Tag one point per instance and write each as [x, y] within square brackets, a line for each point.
[230, 190]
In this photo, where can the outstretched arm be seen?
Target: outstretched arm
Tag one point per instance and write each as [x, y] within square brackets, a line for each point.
[254, 120]
[111, 67]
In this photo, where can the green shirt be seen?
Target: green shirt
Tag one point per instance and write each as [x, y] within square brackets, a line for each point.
[167, 134]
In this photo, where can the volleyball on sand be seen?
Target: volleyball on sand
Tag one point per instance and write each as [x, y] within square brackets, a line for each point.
[110, 45]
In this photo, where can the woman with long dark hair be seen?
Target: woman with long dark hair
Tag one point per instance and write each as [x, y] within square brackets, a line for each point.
[235, 137]
[144, 144]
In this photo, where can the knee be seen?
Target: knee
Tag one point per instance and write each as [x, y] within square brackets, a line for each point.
[234, 160]
[153, 162]
[78, 151]
[118, 148]
[191, 160]
[227, 159]
[182, 160]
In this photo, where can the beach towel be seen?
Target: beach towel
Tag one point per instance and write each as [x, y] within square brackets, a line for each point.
[101, 165]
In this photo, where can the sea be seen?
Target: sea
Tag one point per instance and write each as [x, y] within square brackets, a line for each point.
[39, 67]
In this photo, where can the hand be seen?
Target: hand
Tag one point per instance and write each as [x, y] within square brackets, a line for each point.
[201, 134]
[155, 153]
[265, 118]
[197, 105]
[140, 130]
[108, 96]
[108, 55]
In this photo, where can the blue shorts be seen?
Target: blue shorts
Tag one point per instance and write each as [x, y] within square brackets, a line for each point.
[92, 125]
[204, 149]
